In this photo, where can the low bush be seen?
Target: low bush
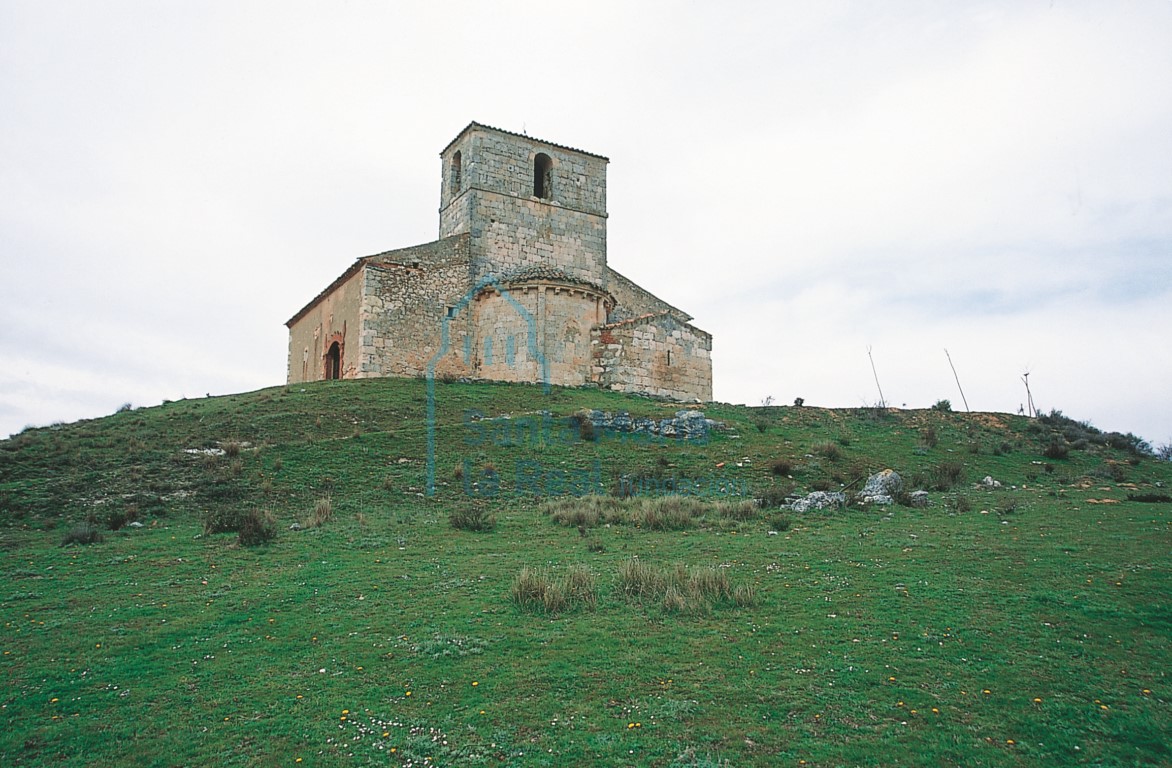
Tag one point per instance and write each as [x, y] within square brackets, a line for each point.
[779, 523]
[944, 406]
[1056, 450]
[258, 526]
[116, 519]
[1150, 498]
[82, 533]
[222, 520]
[475, 519]
[584, 426]
[928, 437]
[781, 467]
[774, 496]
[828, 450]
[947, 475]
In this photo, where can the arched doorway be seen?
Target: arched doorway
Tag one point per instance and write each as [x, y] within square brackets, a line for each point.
[334, 361]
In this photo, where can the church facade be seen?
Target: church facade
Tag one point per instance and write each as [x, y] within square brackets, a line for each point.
[516, 288]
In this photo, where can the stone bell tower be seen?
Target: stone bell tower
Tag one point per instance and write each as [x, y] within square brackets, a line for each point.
[529, 206]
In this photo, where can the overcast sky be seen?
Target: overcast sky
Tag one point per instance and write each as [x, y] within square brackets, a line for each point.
[810, 180]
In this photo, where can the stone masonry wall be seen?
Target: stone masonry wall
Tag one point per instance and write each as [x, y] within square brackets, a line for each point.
[655, 355]
[407, 295]
[632, 301]
[511, 227]
[525, 324]
[334, 316]
[498, 161]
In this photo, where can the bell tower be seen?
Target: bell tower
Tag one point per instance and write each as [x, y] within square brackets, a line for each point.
[531, 207]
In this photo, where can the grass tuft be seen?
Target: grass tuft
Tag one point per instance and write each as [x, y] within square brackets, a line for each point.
[475, 519]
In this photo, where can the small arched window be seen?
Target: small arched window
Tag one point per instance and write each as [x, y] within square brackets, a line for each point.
[456, 174]
[543, 176]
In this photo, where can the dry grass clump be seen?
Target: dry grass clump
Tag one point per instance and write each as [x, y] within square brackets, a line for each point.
[540, 590]
[323, 512]
[656, 513]
[828, 450]
[781, 467]
[737, 510]
[668, 513]
[585, 511]
[679, 588]
[475, 519]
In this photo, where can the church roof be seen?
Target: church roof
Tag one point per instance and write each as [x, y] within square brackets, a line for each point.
[542, 272]
[482, 126]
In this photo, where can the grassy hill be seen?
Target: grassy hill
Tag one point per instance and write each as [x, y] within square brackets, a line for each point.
[1024, 623]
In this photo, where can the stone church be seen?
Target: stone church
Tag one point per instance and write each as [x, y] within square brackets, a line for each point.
[516, 288]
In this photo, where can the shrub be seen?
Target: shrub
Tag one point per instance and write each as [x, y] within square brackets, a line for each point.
[781, 467]
[116, 519]
[828, 450]
[259, 526]
[963, 504]
[779, 523]
[1150, 498]
[584, 425]
[1056, 450]
[82, 533]
[944, 406]
[222, 520]
[475, 519]
[929, 437]
[947, 475]
[799, 402]
[231, 448]
[1110, 471]
[774, 496]
[1129, 442]
[125, 407]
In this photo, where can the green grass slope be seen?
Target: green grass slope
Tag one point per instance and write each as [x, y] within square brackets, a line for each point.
[1022, 624]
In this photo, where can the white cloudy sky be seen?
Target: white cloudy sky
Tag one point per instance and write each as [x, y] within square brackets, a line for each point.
[809, 179]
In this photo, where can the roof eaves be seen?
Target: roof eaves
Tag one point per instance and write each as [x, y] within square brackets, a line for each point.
[473, 125]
